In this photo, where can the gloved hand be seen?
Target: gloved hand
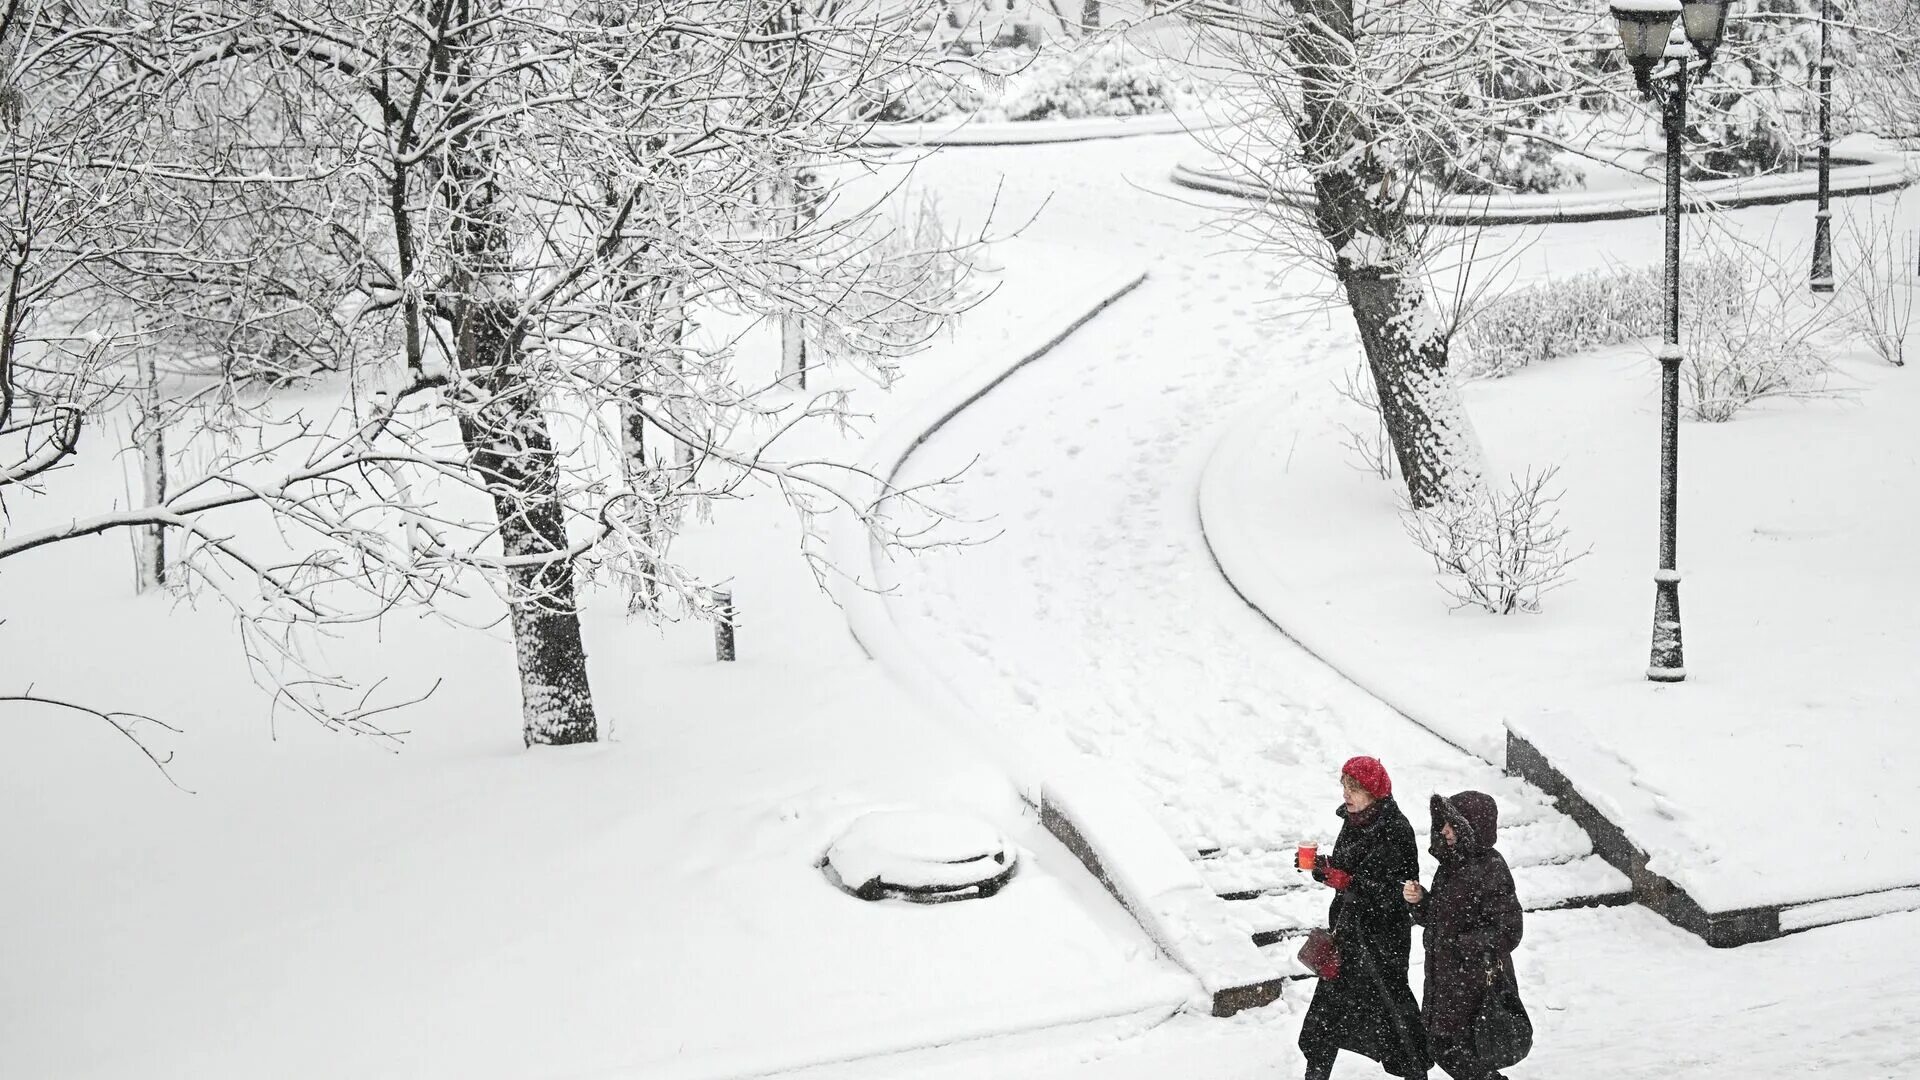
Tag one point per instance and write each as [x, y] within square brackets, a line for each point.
[1324, 871]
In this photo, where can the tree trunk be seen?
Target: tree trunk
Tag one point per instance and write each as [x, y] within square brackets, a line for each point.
[664, 313]
[1433, 439]
[150, 563]
[511, 450]
[1376, 259]
[509, 445]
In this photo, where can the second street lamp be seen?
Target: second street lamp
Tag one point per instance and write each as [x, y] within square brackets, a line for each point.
[1645, 27]
[1822, 281]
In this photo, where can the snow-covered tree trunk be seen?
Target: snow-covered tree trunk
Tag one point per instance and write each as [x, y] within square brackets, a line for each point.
[504, 427]
[1360, 213]
[1433, 438]
[511, 451]
[150, 560]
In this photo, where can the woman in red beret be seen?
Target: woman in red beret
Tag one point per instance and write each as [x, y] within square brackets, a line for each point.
[1368, 1008]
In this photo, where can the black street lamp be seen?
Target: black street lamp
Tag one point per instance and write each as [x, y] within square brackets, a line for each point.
[1645, 26]
[1822, 228]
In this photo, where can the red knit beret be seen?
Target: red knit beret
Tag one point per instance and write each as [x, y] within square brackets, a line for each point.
[1371, 774]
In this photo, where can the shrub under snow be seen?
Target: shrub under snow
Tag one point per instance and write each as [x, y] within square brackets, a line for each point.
[1500, 551]
[1111, 79]
[1590, 311]
[1761, 346]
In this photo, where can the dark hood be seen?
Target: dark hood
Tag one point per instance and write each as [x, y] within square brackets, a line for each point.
[1475, 818]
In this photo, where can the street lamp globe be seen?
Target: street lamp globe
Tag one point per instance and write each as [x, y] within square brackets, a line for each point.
[1704, 21]
[1644, 27]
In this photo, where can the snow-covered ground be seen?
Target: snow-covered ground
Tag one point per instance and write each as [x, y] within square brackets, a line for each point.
[467, 908]
[650, 907]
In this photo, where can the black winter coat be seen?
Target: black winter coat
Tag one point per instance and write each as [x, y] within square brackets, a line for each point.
[1370, 1009]
[1471, 915]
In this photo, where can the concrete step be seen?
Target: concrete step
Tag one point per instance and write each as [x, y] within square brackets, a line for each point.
[1584, 882]
[1241, 873]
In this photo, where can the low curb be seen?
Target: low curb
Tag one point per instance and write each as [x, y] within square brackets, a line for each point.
[1861, 173]
[1096, 813]
[966, 131]
[1524, 759]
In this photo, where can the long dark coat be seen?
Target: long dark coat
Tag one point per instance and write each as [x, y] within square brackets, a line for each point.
[1471, 915]
[1370, 1009]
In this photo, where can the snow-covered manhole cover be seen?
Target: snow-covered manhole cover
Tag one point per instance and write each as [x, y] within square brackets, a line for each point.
[921, 855]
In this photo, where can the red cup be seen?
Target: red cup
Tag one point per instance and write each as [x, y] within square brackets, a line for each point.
[1305, 856]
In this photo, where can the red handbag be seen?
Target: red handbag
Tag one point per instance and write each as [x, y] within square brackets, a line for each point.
[1321, 953]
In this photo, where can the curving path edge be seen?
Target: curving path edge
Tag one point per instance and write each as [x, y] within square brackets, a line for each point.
[967, 131]
[1098, 814]
[1862, 172]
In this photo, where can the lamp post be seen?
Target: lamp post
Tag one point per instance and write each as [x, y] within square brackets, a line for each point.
[1822, 218]
[1645, 27]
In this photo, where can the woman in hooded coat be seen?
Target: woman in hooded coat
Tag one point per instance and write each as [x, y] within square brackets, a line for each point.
[1368, 1009]
[1473, 924]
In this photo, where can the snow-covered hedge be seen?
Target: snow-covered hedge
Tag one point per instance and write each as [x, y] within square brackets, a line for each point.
[1111, 79]
[1588, 311]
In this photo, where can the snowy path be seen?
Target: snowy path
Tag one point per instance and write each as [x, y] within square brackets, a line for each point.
[1098, 608]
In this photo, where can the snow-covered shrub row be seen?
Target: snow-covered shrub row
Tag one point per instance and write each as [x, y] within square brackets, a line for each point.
[1496, 550]
[1588, 311]
[1110, 79]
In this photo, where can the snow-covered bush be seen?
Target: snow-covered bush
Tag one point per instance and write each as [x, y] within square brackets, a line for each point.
[1518, 154]
[1754, 112]
[1500, 163]
[1500, 551]
[1589, 311]
[1761, 347]
[926, 97]
[1110, 79]
[1877, 286]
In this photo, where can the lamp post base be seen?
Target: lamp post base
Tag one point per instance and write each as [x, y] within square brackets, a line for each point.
[1669, 662]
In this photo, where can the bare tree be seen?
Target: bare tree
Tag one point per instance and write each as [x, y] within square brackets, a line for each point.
[493, 228]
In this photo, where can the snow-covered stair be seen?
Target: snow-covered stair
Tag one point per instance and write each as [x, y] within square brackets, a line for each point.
[1553, 862]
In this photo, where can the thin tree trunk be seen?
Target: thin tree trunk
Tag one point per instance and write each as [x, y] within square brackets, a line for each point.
[150, 568]
[789, 205]
[665, 313]
[1377, 261]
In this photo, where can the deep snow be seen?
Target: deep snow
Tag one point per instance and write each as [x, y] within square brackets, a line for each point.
[650, 907]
